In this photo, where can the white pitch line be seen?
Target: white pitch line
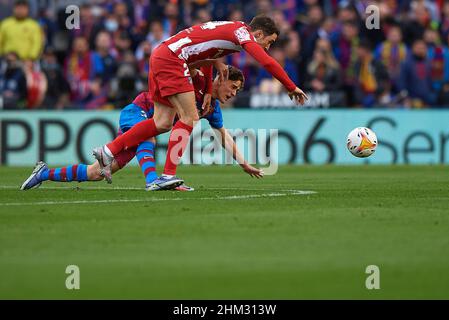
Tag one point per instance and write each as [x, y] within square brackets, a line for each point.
[85, 187]
[242, 197]
[72, 187]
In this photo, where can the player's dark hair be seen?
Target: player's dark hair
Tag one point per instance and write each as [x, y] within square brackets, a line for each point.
[265, 24]
[236, 74]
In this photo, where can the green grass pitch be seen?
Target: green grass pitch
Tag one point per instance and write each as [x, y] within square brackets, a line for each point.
[233, 238]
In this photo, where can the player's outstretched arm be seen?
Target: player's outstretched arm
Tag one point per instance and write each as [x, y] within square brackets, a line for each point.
[298, 96]
[272, 66]
[230, 146]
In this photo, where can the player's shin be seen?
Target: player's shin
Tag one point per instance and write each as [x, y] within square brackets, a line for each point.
[177, 144]
[77, 172]
[138, 133]
[145, 156]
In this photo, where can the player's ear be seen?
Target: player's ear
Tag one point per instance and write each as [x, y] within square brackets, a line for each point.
[258, 34]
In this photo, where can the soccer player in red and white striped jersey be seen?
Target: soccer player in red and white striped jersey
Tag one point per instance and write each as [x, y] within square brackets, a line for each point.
[172, 92]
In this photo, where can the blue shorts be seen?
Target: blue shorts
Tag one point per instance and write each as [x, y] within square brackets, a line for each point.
[131, 115]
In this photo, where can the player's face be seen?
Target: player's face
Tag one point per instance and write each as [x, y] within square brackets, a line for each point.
[265, 41]
[227, 90]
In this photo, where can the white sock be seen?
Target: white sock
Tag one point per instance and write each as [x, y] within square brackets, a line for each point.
[169, 176]
[107, 151]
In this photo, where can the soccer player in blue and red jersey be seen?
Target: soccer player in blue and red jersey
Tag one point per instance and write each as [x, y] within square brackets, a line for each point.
[172, 91]
[142, 109]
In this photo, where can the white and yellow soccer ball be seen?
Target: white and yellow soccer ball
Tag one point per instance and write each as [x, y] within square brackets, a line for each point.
[362, 142]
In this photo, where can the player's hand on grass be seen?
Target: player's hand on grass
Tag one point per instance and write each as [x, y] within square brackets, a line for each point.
[253, 171]
[222, 70]
[298, 96]
[205, 108]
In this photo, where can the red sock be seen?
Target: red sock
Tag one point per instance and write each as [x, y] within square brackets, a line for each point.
[133, 137]
[179, 138]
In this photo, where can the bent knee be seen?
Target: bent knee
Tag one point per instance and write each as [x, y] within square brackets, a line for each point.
[164, 126]
[190, 119]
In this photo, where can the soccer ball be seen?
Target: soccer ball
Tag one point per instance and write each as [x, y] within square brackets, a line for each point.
[362, 142]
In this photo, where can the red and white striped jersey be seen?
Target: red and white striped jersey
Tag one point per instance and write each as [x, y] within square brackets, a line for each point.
[210, 40]
[216, 39]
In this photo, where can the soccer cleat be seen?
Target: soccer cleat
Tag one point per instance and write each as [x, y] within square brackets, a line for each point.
[34, 180]
[184, 187]
[164, 183]
[105, 162]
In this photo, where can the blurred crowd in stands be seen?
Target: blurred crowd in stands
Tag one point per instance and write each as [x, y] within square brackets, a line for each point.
[324, 46]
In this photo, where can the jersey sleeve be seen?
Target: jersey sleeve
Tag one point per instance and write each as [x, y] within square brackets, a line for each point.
[215, 119]
[271, 65]
[243, 36]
